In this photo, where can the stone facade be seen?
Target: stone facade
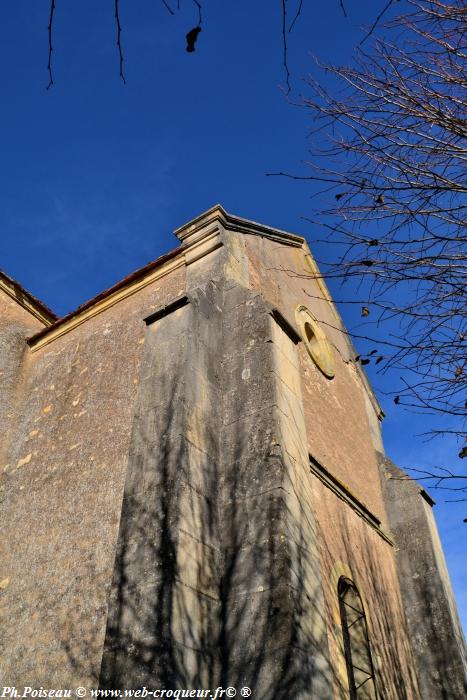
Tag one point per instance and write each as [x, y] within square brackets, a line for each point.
[183, 487]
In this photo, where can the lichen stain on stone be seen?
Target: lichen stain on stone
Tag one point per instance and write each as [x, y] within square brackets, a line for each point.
[47, 409]
[24, 460]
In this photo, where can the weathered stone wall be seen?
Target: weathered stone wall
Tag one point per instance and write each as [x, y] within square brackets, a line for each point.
[337, 413]
[162, 524]
[218, 558]
[435, 629]
[351, 548]
[341, 433]
[16, 324]
[164, 602]
[62, 481]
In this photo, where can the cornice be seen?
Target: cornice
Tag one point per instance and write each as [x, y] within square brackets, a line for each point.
[199, 237]
[104, 302]
[235, 223]
[193, 248]
[26, 300]
[344, 493]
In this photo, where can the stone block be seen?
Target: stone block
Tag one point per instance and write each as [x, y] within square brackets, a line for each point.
[162, 664]
[250, 477]
[252, 438]
[282, 673]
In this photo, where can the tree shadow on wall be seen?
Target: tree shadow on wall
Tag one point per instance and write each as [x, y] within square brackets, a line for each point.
[376, 581]
[217, 576]
[212, 585]
[391, 645]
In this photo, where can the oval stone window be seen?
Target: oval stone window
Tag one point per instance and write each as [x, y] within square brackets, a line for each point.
[315, 341]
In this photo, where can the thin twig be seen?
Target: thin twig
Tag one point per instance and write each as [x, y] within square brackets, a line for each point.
[119, 44]
[168, 7]
[376, 22]
[284, 40]
[296, 16]
[49, 65]
[198, 5]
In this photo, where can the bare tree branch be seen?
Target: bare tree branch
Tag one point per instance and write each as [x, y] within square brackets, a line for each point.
[284, 45]
[391, 153]
[119, 43]
[297, 15]
[377, 21]
[190, 43]
[49, 28]
[198, 5]
[169, 9]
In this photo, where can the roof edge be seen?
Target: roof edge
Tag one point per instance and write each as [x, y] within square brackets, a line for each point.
[26, 300]
[236, 223]
[41, 338]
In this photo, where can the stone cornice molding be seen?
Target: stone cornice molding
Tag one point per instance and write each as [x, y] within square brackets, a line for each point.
[104, 302]
[199, 237]
[26, 300]
[217, 214]
[344, 493]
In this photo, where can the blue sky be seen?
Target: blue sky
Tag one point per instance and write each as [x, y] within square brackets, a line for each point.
[95, 174]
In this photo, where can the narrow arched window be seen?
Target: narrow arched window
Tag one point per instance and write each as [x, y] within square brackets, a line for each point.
[356, 644]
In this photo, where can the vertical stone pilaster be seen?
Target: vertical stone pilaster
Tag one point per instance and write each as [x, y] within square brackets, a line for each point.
[272, 609]
[310, 624]
[163, 602]
[435, 630]
[217, 577]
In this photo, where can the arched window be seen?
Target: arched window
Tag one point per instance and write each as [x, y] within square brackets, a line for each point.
[356, 645]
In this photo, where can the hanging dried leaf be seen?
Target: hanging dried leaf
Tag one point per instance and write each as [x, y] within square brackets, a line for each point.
[191, 38]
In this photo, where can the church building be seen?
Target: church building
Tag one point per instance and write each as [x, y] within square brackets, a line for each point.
[194, 492]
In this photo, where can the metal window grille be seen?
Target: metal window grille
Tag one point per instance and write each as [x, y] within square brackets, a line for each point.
[357, 652]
